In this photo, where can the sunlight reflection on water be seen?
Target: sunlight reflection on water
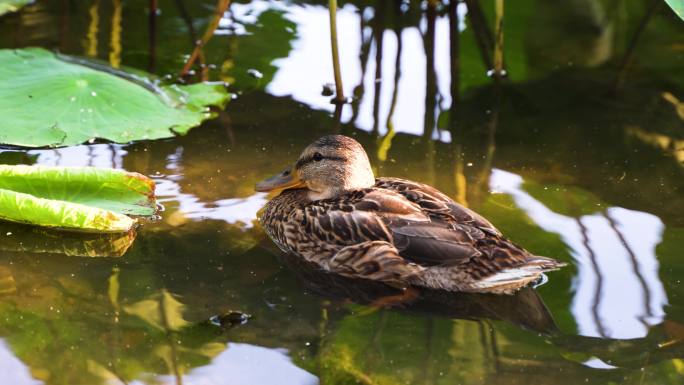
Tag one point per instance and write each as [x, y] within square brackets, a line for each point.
[13, 370]
[408, 116]
[94, 155]
[246, 364]
[230, 210]
[618, 293]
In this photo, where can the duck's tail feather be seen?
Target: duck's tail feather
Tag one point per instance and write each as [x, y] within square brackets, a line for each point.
[510, 280]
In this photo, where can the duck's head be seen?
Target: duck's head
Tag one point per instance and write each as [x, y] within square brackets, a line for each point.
[328, 167]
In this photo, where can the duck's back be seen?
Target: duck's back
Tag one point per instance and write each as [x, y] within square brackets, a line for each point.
[459, 248]
[436, 203]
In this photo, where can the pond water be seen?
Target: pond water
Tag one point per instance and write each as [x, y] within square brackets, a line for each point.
[577, 154]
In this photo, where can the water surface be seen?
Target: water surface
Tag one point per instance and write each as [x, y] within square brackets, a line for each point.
[578, 154]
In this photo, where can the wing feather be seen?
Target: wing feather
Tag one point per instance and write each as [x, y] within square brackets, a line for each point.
[436, 203]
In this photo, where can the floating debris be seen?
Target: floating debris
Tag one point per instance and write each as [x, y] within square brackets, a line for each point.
[255, 73]
[230, 319]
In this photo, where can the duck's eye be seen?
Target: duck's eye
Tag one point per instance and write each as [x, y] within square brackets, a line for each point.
[317, 157]
[286, 172]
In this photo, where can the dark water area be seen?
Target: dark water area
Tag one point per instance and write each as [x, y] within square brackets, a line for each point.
[577, 154]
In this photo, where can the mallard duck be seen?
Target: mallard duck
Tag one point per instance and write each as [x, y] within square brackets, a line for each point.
[330, 210]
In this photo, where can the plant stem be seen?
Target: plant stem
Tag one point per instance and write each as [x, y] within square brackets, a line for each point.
[221, 8]
[483, 36]
[115, 40]
[91, 37]
[631, 47]
[498, 40]
[339, 92]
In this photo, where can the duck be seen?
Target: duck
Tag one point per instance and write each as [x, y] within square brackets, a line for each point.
[329, 209]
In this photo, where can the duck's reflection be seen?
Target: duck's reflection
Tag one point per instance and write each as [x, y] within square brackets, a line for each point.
[524, 309]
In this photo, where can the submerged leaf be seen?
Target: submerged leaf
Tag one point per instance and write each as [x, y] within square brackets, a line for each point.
[30, 240]
[82, 198]
[55, 102]
[161, 310]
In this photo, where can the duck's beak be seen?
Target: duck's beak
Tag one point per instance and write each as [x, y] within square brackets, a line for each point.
[285, 180]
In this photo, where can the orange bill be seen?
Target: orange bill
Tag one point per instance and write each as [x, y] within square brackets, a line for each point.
[283, 181]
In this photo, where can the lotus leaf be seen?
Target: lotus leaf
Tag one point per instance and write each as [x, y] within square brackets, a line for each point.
[52, 100]
[80, 198]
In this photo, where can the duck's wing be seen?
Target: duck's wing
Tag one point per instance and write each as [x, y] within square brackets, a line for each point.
[455, 236]
[380, 215]
[359, 216]
[429, 244]
[383, 215]
[436, 203]
[357, 226]
[485, 262]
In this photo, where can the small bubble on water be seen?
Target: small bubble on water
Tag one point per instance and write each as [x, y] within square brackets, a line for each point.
[9, 233]
[73, 98]
[470, 164]
[93, 93]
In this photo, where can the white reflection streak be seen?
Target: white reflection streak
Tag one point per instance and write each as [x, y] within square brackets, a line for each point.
[13, 370]
[233, 210]
[618, 293]
[94, 155]
[245, 364]
[309, 66]
[234, 20]
[410, 108]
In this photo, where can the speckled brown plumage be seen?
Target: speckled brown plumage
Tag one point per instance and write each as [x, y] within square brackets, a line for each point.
[333, 212]
[403, 233]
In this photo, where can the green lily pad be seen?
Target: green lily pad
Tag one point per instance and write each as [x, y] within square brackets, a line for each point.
[7, 6]
[77, 198]
[49, 101]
